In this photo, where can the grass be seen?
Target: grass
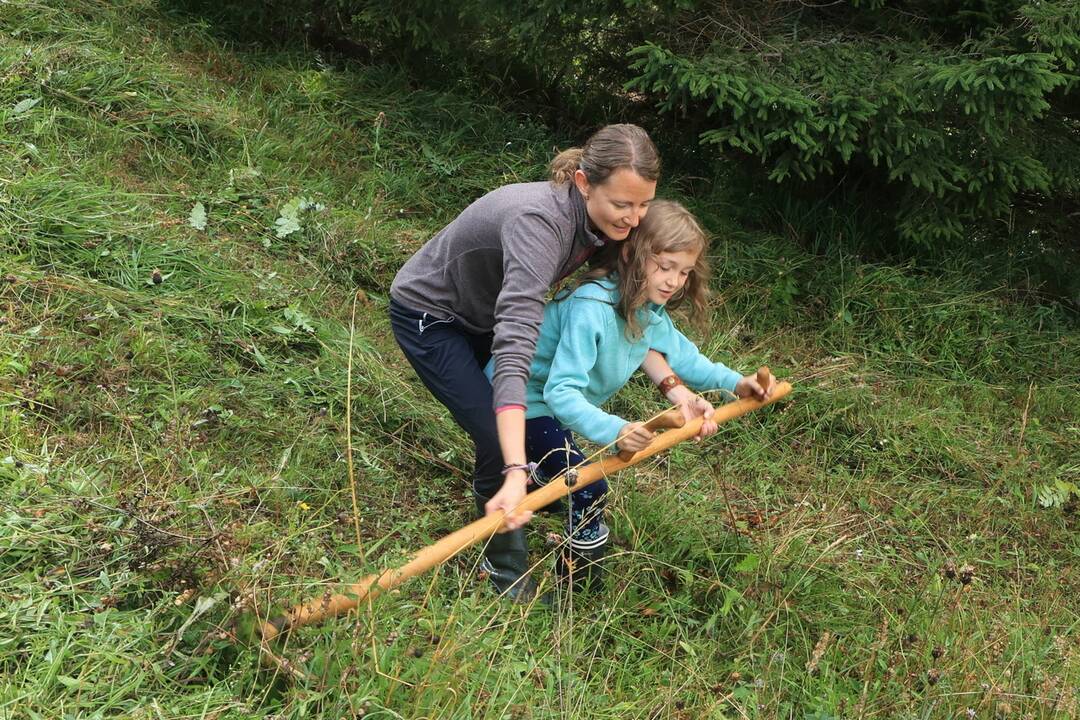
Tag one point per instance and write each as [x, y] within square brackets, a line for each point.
[175, 454]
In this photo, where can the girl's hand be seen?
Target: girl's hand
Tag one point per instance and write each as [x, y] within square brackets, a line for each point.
[750, 387]
[509, 497]
[693, 406]
[634, 437]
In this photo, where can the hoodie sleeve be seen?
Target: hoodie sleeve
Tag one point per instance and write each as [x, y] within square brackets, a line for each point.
[699, 372]
[582, 324]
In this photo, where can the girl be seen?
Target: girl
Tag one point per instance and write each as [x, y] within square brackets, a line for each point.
[476, 292]
[593, 340]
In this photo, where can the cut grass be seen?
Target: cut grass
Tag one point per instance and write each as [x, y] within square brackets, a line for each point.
[174, 457]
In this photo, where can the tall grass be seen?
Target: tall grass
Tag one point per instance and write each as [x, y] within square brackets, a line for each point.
[173, 460]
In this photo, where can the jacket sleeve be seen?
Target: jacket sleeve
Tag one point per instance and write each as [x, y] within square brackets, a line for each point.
[530, 261]
[699, 372]
[581, 329]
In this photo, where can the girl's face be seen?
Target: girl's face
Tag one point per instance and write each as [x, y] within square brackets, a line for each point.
[616, 205]
[667, 272]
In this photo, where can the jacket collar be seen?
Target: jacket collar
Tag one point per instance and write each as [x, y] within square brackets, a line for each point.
[583, 235]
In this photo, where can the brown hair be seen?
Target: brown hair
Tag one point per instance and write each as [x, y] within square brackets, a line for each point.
[667, 227]
[608, 149]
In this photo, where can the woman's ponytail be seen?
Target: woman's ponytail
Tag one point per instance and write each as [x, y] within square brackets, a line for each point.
[565, 163]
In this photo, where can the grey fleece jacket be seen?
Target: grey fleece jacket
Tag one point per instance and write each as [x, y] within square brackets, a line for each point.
[492, 267]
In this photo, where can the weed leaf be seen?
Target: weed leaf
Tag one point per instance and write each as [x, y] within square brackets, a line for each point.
[286, 226]
[289, 220]
[748, 563]
[202, 604]
[299, 319]
[24, 105]
[197, 218]
[1057, 494]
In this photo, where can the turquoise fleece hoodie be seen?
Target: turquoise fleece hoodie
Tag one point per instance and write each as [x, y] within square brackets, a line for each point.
[583, 357]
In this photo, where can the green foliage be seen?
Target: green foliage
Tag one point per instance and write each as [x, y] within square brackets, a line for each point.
[959, 123]
[566, 55]
[961, 132]
[1053, 27]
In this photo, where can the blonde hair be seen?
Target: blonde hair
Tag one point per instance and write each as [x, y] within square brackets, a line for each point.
[610, 148]
[667, 227]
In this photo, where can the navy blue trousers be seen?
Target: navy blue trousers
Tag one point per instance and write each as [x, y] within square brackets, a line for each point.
[552, 446]
[450, 361]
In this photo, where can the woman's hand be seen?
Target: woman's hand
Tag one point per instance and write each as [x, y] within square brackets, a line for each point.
[693, 406]
[509, 497]
[634, 437]
[749, 387]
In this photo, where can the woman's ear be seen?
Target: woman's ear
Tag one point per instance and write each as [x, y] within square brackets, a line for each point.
[582, 183]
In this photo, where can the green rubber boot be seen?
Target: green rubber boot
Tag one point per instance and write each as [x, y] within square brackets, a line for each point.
[506, 561]
[582, 569]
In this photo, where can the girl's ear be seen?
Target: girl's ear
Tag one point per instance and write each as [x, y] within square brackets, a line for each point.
[582, 183]
[624, 252]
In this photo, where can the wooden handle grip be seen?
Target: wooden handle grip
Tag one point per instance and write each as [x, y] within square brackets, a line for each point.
[670, 419]
[331, 605]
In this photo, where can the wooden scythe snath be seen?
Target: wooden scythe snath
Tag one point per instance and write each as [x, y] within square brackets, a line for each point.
[332, 605]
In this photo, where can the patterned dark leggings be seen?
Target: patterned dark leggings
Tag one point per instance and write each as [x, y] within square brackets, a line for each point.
[552, 446]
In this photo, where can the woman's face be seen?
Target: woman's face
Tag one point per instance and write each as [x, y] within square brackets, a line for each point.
[616, 205]
[667, 272]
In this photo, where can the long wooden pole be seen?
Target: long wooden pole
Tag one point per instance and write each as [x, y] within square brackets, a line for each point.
[332, 605]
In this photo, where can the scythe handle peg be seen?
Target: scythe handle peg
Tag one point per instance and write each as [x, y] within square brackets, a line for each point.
[669, 419]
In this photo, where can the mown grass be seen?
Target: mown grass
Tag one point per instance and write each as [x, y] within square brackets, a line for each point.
[175, 460]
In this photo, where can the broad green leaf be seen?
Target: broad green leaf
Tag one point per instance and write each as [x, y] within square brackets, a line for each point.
[197, 218]
[286, 226]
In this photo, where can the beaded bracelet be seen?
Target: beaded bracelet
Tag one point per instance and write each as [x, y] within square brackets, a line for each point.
[527, 467]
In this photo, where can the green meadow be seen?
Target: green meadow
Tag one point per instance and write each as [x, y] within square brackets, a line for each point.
[204, 419]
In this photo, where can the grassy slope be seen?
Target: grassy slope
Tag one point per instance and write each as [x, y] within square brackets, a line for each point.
[175, 454]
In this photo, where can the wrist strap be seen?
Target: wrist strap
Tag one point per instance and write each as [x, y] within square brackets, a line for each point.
[668, 383]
